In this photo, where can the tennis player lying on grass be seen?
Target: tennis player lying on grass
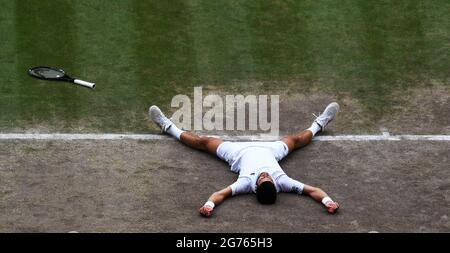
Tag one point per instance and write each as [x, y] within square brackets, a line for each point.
[256, 162]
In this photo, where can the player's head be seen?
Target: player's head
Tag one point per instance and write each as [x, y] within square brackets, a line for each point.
[266, 193]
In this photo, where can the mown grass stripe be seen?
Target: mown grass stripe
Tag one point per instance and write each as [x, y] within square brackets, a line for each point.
[163, 53]
[8, 61]
[46, 36]
[106, 38]
[221, 41]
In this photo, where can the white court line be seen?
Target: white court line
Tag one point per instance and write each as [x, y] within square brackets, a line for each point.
[60, 136]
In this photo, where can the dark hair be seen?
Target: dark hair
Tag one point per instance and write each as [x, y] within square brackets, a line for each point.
[266, 193]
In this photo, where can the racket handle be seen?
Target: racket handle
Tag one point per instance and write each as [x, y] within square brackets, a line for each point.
[84, 83]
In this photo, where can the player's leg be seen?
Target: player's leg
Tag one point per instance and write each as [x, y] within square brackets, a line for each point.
[303, 138]
[298, 140]
[205, 143]
[208, 144]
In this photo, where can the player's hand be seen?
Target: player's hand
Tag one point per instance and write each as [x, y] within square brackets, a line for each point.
[206, 211]
[332, 207]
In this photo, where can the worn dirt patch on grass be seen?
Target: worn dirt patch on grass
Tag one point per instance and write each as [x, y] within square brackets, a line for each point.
[158, 186]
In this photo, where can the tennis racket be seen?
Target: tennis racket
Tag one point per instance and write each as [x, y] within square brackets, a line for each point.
[53, 74]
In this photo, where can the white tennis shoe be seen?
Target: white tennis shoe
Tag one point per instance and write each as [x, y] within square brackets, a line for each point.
[159, 118]
[327, 116]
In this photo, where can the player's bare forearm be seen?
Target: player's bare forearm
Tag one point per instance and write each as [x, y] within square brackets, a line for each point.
[214, 200]
[316, 193]
[319, 195]
[220, 196]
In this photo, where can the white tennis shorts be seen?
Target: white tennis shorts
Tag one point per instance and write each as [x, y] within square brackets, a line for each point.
[232, 151]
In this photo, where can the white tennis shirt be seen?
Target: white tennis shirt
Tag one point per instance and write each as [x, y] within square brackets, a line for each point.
[250, 159]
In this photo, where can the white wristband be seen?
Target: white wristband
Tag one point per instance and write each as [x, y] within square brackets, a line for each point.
[326, 200]
[209, 204]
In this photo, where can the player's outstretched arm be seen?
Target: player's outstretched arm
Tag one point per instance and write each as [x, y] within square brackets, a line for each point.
[321, 196]
[214, 200]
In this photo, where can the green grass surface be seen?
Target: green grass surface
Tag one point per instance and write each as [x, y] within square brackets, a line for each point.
[144, 52]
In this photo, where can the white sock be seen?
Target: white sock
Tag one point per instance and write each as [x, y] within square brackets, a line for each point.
[174, 131]
[314, 128]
